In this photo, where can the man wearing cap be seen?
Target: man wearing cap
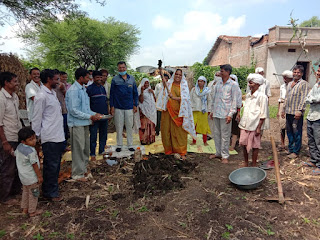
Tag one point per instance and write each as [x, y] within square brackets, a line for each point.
[287, 77]
[252, 122]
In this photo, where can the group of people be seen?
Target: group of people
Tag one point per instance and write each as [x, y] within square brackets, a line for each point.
[58, 110]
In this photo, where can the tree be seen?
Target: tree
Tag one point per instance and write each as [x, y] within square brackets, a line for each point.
[83, 42]
[312, 22]
[32, 11]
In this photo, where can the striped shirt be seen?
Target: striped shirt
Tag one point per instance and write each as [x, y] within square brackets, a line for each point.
[224, 99]
[296, 96]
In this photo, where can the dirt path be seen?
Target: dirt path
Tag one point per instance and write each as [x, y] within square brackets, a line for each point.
[193, 200]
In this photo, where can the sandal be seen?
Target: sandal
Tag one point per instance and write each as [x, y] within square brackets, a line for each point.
[177, 156]
[316, 171]
[309, 164]
[266, 165]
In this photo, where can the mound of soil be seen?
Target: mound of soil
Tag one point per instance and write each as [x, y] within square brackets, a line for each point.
[159, 174]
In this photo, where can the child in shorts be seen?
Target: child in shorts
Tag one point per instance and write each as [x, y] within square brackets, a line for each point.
[252, 122]
[29, 171]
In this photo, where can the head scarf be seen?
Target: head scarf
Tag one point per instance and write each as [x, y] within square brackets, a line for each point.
[185, 104]
[259, 70]
[287, 73]
[256, 78]
[204, 94]
[234, 77]
[148, 107]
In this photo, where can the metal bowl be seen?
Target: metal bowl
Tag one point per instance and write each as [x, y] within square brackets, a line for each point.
[247, 177]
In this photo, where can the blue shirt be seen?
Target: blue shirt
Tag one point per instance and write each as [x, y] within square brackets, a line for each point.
[98, 98]
[123, 93]
[78, 106]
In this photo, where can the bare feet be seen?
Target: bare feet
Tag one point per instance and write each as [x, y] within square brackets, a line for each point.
[224, 160]
[214, 156]
[183, 158]
[206, 144]
[82, 179]
[231, 149]
[36, 213]
[93, 158]
[25, 211]
[244, 164]
[193, 143]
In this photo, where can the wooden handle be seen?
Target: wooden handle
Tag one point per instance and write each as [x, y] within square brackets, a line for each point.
[277, 170]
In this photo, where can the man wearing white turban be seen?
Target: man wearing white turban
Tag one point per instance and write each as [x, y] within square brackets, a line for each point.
[287, 77]
[252, 122]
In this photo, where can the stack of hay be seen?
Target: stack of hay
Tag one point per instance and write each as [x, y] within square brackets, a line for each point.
[9, 62]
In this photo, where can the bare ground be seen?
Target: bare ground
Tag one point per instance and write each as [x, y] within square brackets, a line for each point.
[175, 200]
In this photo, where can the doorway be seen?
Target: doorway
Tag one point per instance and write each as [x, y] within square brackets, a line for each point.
[306, 70]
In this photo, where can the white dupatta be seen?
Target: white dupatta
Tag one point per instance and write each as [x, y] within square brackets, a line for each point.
[185, 104]
[148, 106]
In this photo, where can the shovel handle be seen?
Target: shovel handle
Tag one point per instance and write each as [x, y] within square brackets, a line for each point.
[277, 170]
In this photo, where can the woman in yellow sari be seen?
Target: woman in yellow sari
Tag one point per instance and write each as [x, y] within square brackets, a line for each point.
[176, 119]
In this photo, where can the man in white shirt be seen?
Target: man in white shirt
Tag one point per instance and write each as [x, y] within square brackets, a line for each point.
[252, 121]
[313, 126]
[156, 93]
[47, 122]
[31, 90]
[287, 77]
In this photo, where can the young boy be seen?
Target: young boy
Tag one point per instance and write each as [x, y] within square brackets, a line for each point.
[251, 123]
[29, 171]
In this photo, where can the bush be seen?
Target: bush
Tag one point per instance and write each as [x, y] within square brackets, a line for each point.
[200, 69]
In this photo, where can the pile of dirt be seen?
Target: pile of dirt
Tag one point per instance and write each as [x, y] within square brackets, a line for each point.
[159, 174]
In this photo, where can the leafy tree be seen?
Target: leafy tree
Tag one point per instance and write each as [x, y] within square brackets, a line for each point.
[242, 73]
[34, 10]
[312, 22]
[82, 42]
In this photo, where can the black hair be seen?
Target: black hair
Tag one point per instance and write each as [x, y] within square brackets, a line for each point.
[35, 68]
[166, 75]
[63, 73]
[6, 77]
[25, 133]
[227, 68]
[96, 73]
[104, 71]
[90, 71]
[81, 72]
[179, 69]
[299, 67]
[121, 62]
[48, 73]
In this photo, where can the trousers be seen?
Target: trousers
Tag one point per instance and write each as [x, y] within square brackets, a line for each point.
[102, 126]
[123, 118]
[80, 143]
[221, 136]
[294, 133]
[52, 153]
[313, 131]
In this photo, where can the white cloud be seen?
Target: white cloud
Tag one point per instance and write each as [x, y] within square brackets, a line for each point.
[9, 41]
[192, 41]
[160, 22]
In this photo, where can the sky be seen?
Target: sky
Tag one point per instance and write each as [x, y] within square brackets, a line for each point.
[182, 32]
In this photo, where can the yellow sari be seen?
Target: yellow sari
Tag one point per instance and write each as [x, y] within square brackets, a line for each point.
[174, 137]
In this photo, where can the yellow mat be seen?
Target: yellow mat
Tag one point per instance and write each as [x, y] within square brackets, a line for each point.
[157, 147]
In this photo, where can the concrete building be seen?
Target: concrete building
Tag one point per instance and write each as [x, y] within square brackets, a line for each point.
[273, 51]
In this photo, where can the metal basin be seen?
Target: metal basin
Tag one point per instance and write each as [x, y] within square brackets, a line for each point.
[248, 177]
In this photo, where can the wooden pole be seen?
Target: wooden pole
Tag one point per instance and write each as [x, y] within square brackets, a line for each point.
[277, 170]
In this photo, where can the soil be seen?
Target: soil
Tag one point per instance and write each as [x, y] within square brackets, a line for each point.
[163, 198]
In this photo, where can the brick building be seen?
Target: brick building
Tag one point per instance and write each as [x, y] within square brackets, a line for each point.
[273, 51]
